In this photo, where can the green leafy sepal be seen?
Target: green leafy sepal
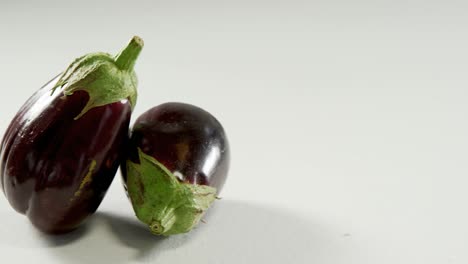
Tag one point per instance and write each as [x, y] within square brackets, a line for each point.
[167, 205]
[105, 78]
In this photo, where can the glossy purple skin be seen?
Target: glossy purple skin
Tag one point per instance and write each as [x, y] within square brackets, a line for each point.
[46, 154]
[186, 139]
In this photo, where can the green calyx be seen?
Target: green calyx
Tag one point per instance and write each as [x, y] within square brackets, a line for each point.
[161, 201]
[105, 78]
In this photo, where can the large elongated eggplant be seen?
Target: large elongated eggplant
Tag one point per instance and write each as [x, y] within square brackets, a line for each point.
[62, 149]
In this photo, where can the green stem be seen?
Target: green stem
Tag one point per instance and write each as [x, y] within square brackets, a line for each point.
[166, 222]
[126, 59]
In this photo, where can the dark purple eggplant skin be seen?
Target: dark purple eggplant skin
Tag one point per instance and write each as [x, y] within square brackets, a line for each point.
[46, 156]
[186, 139]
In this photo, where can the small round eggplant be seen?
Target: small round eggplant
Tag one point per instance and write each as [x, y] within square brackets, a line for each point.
[177, 163]
[62, 149]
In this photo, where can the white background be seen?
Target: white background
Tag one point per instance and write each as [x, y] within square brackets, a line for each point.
[347, 122]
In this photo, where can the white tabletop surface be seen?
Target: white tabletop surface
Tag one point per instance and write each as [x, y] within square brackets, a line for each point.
[347, 122]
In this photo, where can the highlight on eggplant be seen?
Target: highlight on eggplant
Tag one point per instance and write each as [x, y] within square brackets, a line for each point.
[62, 149]
[177, 163]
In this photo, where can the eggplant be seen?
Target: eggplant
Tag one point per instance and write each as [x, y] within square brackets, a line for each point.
[177, 163]
[61, 151]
